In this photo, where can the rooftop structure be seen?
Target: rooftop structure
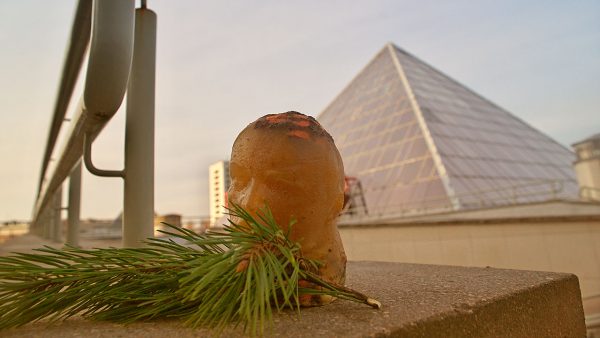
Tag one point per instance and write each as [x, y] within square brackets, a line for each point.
[420, 142]
[587, 167]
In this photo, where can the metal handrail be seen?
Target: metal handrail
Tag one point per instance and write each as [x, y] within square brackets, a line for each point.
[122, 44]
[444, 204]
[80, 37]
[112, 30]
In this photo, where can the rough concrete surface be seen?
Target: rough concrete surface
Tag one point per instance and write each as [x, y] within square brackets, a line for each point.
[418, 301]
[29, 242]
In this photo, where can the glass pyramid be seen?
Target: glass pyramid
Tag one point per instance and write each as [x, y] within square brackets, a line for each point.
[420, 142]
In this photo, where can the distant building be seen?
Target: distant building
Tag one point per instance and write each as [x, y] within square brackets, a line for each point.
[98, 228]
[13, 228]
[420, 143]
[203, 226]
[171, 219]
[218, 184]
[587, 167]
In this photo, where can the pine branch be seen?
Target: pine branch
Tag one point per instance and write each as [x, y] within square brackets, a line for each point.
[240, 276]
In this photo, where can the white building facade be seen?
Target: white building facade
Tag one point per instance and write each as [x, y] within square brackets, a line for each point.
[218, 184]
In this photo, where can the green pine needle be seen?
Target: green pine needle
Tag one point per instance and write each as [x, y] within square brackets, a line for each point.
[239, 276]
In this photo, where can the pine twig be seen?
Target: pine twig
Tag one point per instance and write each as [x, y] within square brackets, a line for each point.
[239, 276]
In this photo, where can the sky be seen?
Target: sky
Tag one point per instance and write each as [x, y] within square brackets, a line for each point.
[222, 64]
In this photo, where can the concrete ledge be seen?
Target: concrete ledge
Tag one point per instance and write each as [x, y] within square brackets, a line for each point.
[418, 301]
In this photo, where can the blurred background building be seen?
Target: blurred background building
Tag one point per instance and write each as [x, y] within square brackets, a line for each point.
[587, 167]
[170, 219]
[218, 184]
[13, 228]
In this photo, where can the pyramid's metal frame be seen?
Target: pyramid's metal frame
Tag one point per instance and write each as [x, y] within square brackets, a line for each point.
[420, 142]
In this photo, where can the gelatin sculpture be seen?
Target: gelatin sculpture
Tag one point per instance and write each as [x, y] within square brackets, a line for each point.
[290, 163]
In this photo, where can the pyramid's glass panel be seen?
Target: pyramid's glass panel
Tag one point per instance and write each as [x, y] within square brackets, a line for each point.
[381, 142]
[491, 157]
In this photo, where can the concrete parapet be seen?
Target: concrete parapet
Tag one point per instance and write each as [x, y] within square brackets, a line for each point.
[418, 301]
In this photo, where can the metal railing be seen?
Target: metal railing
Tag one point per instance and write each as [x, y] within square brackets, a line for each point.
[121, 59]
[537, 191]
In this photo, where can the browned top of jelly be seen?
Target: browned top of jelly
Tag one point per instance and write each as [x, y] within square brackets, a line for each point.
[297, 124]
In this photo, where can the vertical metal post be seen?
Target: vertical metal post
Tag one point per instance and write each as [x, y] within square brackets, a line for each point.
[42, 223]
[56, 215]
[46, 226]
[74, 206]
[49, 223]
[138, 211]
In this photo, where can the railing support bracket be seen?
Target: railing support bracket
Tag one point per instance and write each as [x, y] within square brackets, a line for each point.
[87, 159]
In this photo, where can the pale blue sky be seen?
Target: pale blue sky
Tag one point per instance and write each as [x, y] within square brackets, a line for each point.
[222, 64]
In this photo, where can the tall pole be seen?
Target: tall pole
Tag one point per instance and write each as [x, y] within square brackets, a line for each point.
[138, 211]
[56, 215]
[74, 206]
[46, 222]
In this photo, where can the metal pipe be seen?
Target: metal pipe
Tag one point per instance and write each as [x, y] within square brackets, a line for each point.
[56, 215]
[138, 211]
[80, 37]
[111, 52]
[74, 206]
[46, 224]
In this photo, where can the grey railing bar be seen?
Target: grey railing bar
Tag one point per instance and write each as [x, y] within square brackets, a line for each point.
[80, 37]
[56, 212]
